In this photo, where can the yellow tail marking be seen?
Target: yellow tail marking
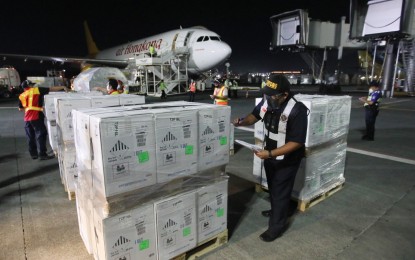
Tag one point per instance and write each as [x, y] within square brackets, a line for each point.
[92, 47]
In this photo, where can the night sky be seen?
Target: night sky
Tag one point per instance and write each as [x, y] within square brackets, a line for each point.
[56, 27]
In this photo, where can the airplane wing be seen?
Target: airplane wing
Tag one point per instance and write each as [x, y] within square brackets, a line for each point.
[62, 60]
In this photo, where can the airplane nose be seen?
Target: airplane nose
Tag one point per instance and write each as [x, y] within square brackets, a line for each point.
[211, 55]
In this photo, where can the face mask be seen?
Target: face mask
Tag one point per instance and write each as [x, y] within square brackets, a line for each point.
[109, 87]
[273, 102]
[370, 91]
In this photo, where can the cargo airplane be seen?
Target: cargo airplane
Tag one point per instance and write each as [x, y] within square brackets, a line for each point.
[205, 50]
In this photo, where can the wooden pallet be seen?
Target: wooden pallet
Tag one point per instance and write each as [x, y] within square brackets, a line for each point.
[71, 195]
[303, 205]
[205, 247]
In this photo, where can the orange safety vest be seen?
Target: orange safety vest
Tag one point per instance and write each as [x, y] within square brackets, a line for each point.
[192, 87]
[221, 102]
[30, 102]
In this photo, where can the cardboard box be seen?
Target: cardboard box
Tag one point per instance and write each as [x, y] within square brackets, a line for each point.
[176, 225]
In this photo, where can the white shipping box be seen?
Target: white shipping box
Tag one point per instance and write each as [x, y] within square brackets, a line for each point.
[212, 210]
[176, 225]
[329, 118]
[63, 108]
[176, 144]
[105, 101]
[214, 136]
[70, 168]
[49, 101]
[124, 151]
[126, 99]
[53, 135]
[128, 235]
[85, 209]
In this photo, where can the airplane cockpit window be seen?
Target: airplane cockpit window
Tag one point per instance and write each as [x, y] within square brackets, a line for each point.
[207, 38]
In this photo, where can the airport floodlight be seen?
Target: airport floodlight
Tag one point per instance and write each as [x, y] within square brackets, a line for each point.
[381, 19]
[289, 30]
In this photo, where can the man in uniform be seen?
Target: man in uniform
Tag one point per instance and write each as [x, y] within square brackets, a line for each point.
[285, 122]
[371, 105]
[31, 101]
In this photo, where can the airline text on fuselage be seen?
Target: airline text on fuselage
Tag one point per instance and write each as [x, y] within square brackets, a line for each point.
[140, 47]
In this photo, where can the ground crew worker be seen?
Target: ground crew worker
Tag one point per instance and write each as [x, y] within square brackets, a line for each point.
[192, 91]
[31, 101]
[285, 122]
[152, 50]
[371, 105]
[111, 89]
[220, 95]
[121, 88]
[163, 88]
[228, 84]
[235, 89]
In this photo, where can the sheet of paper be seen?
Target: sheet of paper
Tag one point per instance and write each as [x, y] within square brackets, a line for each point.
[248, 145]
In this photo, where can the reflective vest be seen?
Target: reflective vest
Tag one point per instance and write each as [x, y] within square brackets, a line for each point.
[114, 92]
[30, 100]
[279, 136]
[219, 93]
[192, 87]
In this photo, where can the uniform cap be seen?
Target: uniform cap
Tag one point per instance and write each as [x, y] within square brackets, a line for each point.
[27, 83]
[275, 85]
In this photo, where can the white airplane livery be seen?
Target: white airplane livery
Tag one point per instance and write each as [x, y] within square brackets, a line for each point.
[204, 48]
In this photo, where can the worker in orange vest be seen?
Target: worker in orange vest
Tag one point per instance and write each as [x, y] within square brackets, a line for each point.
[31, 101]
[192, 91]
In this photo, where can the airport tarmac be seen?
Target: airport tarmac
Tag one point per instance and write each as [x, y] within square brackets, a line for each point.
[371, 217]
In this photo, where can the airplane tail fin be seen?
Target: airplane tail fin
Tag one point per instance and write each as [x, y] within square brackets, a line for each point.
[92, 47]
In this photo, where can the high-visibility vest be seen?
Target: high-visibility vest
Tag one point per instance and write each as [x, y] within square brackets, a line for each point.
[114, 92]
[30, 99]
[192, 87]
[278, 137]
[221, 102]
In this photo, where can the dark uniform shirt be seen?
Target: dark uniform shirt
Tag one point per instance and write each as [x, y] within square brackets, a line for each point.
[296, 127]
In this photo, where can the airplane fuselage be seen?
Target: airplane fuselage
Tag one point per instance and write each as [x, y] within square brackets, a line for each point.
[205, 48]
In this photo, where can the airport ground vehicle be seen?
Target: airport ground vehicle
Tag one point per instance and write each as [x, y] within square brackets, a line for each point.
[9, 82]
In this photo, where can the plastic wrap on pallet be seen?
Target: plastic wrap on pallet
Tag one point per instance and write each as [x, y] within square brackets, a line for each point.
[114, 148]
[69, 166]
[53, 135]
[329, 118]
[110, 206]
[320, 171]
[322, 168]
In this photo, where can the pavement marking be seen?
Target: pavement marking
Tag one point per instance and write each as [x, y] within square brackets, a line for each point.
[16, 107]
[379, 155]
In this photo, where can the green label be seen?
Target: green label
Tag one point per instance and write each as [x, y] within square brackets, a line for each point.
[186, 231]
[223, 140]
[188, 149]
[143, 157]
[219, 212]
[144, 245]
